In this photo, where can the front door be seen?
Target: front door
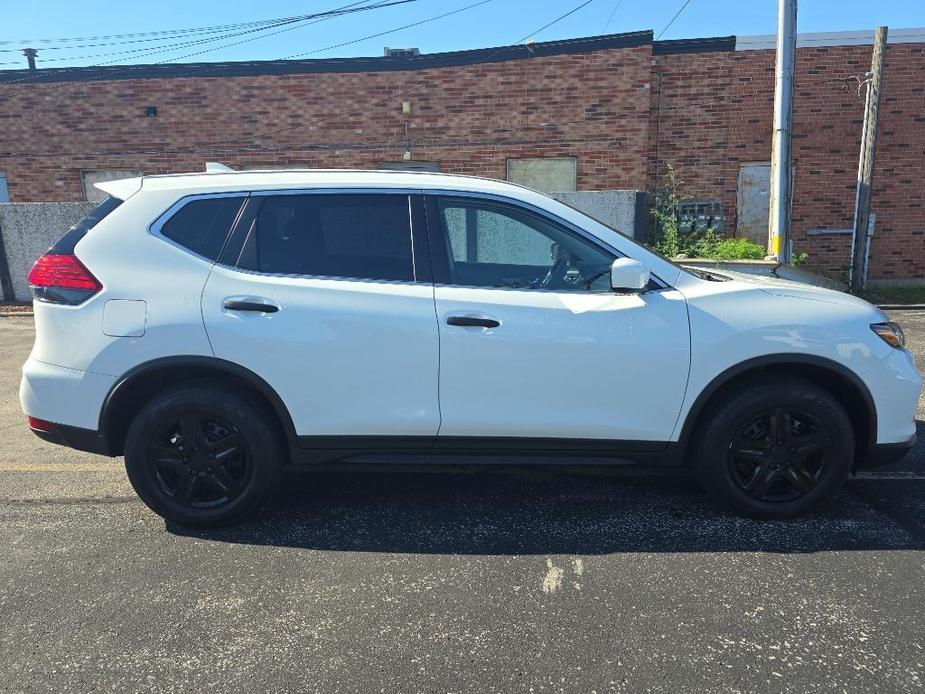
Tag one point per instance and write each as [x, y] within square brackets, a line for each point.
[534, 343]
[349, 340]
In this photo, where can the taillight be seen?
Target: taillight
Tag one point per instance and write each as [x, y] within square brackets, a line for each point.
[62, 279]
[37, 424]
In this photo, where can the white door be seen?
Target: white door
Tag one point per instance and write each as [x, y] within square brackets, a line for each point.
[533, 342]
[349, 340]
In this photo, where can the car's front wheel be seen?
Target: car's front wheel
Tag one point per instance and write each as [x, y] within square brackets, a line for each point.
[202, 455]
[774, 448]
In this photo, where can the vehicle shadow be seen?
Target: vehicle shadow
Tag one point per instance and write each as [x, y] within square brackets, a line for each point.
[507, 511]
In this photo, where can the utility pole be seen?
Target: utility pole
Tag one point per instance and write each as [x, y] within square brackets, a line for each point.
[866, 164]
[781, 178]
[30, 54]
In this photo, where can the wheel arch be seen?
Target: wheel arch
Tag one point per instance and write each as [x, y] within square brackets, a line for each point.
[843, 383]
[144, 381]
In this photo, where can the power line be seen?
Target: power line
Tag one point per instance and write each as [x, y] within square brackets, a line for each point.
[320, 17]
[390, 31]
[555, 21]
[165, 32]
[676, 15]
[298, 22]
[612, 15]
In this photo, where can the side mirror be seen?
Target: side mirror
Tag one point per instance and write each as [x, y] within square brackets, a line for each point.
[628, 275]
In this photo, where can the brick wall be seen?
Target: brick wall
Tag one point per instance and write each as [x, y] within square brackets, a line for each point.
[623, 112]
[593, 106]
[717, 112]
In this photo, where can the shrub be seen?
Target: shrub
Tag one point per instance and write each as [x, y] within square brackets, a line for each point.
[669, 240]
[737, 249]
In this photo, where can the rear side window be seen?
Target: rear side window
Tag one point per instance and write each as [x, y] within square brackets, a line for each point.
[67, 243]
[203, 225]
[356, 236]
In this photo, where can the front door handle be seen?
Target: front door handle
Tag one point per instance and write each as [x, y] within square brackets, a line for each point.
[473, 322]
[259, 307]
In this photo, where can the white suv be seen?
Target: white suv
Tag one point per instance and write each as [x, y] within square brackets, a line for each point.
[214, 328]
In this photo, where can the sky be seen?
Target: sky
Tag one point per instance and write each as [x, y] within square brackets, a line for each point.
[492, 23]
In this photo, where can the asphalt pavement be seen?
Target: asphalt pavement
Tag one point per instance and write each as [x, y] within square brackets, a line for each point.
[498, 580]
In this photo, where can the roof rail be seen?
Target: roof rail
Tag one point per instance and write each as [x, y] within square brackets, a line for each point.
[218, 167]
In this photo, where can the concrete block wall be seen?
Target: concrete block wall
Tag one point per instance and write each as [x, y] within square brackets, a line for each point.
[28, 230]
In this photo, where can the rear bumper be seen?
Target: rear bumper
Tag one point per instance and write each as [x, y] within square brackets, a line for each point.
[75, 437]
[886, 453]
[64, 396]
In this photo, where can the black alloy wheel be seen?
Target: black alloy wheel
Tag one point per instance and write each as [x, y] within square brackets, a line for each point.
[778, 455]
[204, 455]
[773, 446]
[200, 461]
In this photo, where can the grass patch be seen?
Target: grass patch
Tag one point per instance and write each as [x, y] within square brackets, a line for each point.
[895, 295]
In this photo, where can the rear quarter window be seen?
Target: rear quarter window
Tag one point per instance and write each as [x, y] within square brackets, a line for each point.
[202, 225]
[66, 244]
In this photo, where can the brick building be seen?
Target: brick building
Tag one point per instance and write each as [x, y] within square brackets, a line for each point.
[598, 113]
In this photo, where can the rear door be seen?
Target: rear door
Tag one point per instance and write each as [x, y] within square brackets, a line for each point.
[324, 295]
[534, 344]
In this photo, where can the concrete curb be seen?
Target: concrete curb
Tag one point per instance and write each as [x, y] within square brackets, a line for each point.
[901, 307]
[16, 314]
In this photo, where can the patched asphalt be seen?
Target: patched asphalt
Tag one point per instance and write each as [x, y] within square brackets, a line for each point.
[498, 580]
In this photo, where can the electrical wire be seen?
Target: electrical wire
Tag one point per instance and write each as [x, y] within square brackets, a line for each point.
[676, 15]
[166, 32]
[320, 17]
[297, 22]
[610, 18]
[389, 31]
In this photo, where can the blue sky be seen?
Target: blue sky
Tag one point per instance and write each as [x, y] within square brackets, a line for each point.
[498, 22]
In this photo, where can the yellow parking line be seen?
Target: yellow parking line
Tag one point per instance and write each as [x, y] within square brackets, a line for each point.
[58, 467]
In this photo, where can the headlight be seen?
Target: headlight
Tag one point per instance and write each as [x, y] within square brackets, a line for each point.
[890, 333]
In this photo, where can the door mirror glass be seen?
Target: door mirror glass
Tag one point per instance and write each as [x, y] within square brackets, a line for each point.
[628, 275]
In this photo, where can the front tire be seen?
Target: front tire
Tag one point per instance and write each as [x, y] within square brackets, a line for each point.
[774, 448]
[202, 455]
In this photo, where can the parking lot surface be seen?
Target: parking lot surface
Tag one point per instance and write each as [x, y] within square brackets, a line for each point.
[499, 580]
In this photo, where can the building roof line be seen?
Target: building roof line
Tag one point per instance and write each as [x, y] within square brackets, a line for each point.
[423, 61]
[831, 38]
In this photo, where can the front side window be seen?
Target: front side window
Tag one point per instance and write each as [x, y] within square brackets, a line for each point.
[496, 245]
[203, 225]
[355, 236]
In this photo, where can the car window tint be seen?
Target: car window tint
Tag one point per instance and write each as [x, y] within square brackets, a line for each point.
[203, 225]
[66, 243]
[353, 236]
[497, 245]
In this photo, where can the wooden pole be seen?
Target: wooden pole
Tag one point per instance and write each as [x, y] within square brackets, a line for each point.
[866, 164]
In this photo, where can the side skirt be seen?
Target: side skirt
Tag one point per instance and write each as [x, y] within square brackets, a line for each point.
[426, 450]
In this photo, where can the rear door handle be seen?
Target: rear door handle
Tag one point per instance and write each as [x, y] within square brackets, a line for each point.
[473, 322]
[259, 307]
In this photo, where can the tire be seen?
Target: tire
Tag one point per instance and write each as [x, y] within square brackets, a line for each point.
[774, 447]
[201, 455]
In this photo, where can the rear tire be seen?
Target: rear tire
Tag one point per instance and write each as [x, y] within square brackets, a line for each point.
[774, 448]
[202, 455]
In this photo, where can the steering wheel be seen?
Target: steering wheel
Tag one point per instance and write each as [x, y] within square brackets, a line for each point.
[557, 272]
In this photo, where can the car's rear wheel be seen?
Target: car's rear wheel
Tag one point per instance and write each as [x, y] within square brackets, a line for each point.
[774, 448]
[202, 456]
